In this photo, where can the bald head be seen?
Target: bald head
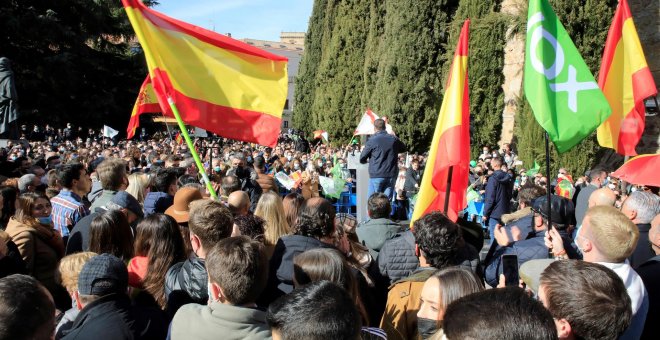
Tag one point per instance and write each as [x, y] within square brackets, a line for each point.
[239, 203]
[602, 196]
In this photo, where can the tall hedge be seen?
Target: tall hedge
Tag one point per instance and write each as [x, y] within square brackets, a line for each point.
[587, 23]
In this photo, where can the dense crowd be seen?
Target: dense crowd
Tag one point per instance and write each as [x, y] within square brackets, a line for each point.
[119, 239]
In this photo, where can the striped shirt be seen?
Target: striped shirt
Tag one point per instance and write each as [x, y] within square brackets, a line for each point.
[68, 209]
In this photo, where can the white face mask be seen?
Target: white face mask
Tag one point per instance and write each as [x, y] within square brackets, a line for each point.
[611, 186]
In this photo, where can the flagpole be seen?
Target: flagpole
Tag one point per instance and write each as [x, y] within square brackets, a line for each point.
[192, 149]
[547, 179]
[448, 192]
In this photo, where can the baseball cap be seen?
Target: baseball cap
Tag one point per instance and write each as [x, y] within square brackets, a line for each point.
[102, 275]
[127, 201]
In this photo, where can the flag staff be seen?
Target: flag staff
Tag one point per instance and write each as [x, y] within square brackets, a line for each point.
[448, 192]
[547, 180]
[192, 149]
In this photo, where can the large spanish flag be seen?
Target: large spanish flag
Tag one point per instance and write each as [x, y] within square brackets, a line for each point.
[450, 147]
[218, 84]
[626, 81]
[146, 102]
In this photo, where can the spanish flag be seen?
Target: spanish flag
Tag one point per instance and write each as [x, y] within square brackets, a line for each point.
[626, 81]
[450, 148]
[146, 103]
[218, 84]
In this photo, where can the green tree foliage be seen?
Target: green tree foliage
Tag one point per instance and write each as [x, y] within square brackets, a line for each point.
[306, 80]
[71, 60]
[587, 22]
[485, 62]
[340, 71]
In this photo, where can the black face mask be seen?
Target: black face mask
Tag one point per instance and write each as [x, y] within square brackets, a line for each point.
[240, 172]
[426, 327]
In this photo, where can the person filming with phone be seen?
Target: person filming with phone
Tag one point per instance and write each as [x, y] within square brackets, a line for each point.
[532, 246]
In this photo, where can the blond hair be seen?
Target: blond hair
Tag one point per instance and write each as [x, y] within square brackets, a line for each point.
[613, 234]
[137, 184]
[271, 209]
[70, 267]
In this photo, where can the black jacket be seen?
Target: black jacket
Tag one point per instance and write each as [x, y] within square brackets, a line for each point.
[113, 317]
[280, 274]
[412, 177]
[643, 251]
[396, 258]
[80, 234]
[649, 271]
[186, 282]
[382, 151]
[498, 194]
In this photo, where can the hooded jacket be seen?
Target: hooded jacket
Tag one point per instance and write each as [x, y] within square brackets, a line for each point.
[157, 202]
[498, 194]
[373, 234]
[218, 320]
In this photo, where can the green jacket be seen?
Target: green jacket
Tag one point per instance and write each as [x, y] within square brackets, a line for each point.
[219, 321]
[374, 233]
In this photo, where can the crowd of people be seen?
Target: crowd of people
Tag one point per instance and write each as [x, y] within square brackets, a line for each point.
[120, 239]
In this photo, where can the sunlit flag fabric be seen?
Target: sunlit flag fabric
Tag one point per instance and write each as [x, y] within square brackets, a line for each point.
[626, 81]
[218, 84]
[642, 170]
[451, 142]
[146, 102]
[562, 92]
[366, 125]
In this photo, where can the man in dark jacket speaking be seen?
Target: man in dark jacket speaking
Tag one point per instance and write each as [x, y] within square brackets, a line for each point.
[498, 195]
[382, 152]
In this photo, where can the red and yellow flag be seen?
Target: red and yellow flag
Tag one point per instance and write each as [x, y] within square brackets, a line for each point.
[146, 103]
[626, 81]
[178, 138]
[218, 84]
[450, 148]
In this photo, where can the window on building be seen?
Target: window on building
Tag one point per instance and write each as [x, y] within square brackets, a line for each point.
[285, 124]
[286, 104]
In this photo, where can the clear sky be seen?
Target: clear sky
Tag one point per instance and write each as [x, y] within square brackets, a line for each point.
[255, 19]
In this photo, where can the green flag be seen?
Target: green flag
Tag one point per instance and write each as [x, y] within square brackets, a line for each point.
[533, 171]
[561, 90]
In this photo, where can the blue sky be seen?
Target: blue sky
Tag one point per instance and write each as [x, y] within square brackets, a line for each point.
[255, 19]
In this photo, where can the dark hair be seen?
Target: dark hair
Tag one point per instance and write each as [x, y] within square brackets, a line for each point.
[595, 173]
[379, 124]
[316, 219]
[230, 184]
[9, 195]
[327, 264]
[500, 313]
[438, 238]
[251, 226]
[292, 203]
[528, 194]
[26, 310]
[69, 172]
[379, 206]
[162, 181]
[240, 266]
[211, 221]
[591, 297]
[317, 311]
[111, 173]
[187, 179]
[259, 162]
[157, 237]
[111, 234]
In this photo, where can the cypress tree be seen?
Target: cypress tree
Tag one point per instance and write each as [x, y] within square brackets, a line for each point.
[337, 99]
[587, 23]
[306, 78]
[407, 86]
[485, 63]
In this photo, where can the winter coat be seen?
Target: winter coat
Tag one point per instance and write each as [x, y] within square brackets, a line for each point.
[403, 302]
[80, 235]
[373, 234]
[642, 251]
[382, 152]
[113, 317]
[498, 194]
[523, 219]
[157, 202]
[397, 258]
[412, 177]
[218, 320]
[649, 271]
[186, 282]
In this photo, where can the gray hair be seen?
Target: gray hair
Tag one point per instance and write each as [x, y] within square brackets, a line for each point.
[646, 204]
[25, 181]
[238, 155]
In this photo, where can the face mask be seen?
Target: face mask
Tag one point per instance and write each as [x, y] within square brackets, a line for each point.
[208, 292]
[240, 172]
[217, 169]
[343, 165]
[45, 220]
[577, 235]
[249, 159]
[426, 327]
[611, 186]
[289, 157]
[296, 166]
[319, 164]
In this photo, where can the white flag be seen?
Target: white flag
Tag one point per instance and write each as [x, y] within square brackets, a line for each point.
[366, 125]
[109, 132]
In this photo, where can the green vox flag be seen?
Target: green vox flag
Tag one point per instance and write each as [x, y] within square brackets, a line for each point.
[561, 90]
[533, 171]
